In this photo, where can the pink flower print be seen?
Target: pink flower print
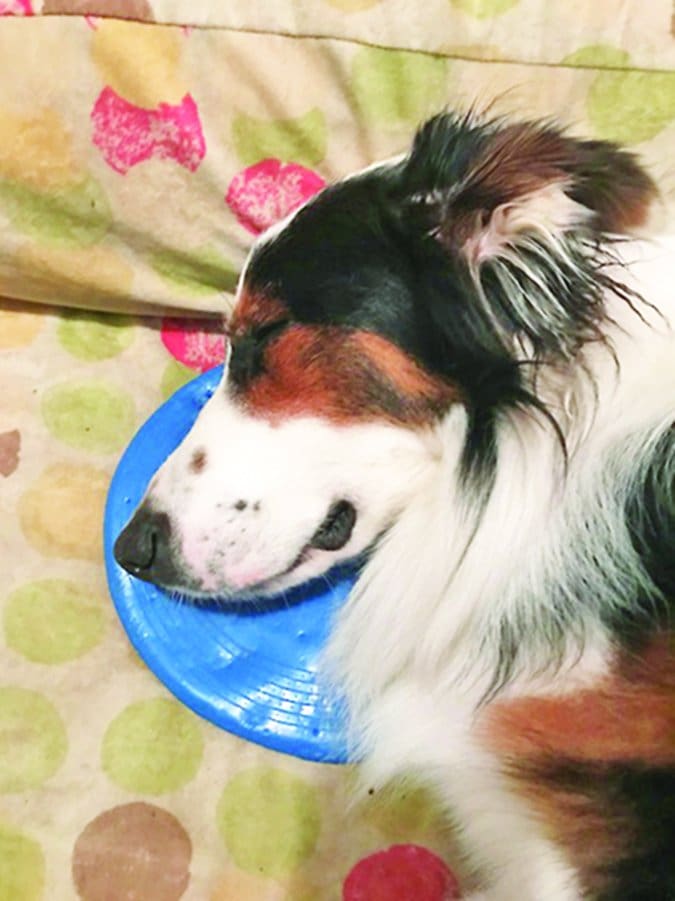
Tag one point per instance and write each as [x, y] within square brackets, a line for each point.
[197, 343]
[264, 193]
[404, 872]
[16, 8]
[127, 134]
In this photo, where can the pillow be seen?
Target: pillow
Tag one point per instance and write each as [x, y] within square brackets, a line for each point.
[139, 161]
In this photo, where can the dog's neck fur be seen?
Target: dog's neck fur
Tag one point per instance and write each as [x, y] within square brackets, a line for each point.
[516, 594]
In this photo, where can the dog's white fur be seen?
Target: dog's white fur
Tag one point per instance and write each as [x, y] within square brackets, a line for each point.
[415, 642]
[414, 646]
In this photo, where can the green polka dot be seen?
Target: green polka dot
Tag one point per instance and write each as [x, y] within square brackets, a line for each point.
[398, 86]
[199, 273]
[22, 867]
[598, 56]
[92, 416]
[152, 747]
[484, 9]
[630, 107]
[269, 820]
[403, 812]
[300, 140]
[53, 621]
[74, 216]
[90, 336]
[175, 376]
[33, 740]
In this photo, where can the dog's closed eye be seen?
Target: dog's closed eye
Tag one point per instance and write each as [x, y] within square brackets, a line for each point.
[248, 349]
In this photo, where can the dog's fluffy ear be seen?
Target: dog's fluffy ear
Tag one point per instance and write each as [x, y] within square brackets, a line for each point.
[482, 187]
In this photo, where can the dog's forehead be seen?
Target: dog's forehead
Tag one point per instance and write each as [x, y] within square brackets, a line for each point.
[329, 320]
[335, 262]
[325, 321]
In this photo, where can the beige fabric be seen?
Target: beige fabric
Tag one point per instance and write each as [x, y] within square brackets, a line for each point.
[532, 31]
[137, 162]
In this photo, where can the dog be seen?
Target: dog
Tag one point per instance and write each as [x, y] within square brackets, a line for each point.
[460, 363]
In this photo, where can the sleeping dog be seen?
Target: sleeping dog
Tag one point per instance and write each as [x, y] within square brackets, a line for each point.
[461, 365]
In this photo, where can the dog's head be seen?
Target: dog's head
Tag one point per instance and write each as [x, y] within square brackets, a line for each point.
[429, 284]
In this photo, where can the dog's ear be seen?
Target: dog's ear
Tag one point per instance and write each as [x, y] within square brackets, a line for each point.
[481, 188]
[509, 216]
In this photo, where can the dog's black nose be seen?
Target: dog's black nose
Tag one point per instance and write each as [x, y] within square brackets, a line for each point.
[143, 547]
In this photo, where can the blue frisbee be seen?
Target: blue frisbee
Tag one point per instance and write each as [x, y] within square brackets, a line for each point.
[249, 668]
